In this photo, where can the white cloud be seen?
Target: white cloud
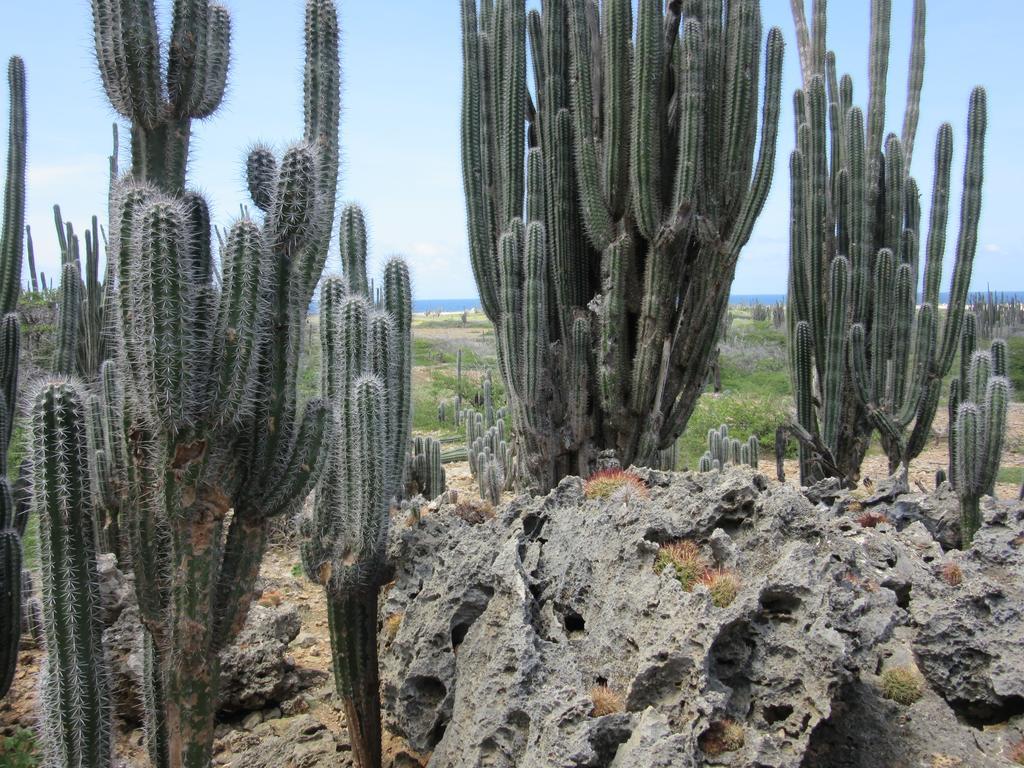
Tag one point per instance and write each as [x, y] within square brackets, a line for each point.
[63, 173]
[993, 248]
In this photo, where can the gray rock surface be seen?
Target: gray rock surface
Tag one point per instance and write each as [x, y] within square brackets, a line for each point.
[296, 742]
[506, 626]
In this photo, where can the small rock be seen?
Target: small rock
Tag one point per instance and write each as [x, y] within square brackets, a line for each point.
[252, 720]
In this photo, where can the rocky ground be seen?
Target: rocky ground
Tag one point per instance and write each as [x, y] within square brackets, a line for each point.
[556, 633]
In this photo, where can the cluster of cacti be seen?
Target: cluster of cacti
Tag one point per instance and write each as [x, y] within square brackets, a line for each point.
[778, 314]
[492, 460]
[365, 379]
[12, 523]
[978, 404]
[724, 451]
[998, 314]
[608, 208]
[206, 364]
[759, 312]
[425, 468]
[76, 712]
[863, 357]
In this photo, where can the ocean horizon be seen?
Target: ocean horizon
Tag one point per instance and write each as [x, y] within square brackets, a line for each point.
[420, 306]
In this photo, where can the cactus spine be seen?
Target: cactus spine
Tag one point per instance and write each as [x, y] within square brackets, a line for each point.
[640, 188]
[75, 705]
[208, 368]
[982, 400]
[863, 359]
[11, 245]
[365, 377]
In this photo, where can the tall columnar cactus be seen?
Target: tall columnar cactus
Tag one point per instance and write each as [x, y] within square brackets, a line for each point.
[11, 244]
[982, 399]
[607, 209]
[75, 702]
[208, 367]
[864, 357]
[366, 365]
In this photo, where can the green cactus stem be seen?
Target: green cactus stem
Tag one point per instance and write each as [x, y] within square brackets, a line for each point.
[11, 243]
[75, 697]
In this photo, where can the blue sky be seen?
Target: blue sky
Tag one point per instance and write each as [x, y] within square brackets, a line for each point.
[400, 127]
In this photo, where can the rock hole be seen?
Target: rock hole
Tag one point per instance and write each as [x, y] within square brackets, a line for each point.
[902, 591]
[982, 715]
[777, 713]
[574, 623]
[438, 733]
[471, 609]
[533, 525]
[779, 604]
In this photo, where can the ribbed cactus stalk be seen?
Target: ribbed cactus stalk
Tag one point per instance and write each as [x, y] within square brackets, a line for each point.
[208, 366]
[426, 469]
[11, 244]
[365, 375]
[76, 711]
[620, 190]
[982, 399]
[724, 451]
[864, 356]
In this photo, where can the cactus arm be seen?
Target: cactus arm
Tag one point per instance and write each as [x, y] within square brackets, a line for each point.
[915, 80]
[648, 107]
[13, 231]
[970, 215]
[76, 708]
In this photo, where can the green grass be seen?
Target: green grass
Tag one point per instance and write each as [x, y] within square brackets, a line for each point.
[1010, 475]
[19, 750]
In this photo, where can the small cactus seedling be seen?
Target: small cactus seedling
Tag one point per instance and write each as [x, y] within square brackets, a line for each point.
[685, 561]
[902, 685]
[605, 484]
[723, 585]
[606, 701]
[723, 736]
[952, 574]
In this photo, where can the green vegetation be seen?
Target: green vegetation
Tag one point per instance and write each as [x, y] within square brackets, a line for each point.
[19, 750]
[1015, 365]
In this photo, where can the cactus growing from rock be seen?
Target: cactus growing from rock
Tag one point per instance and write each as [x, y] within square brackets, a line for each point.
[981, 399]
[209, 367]
[635, 158]
[11, 244]
[75, 703]
[344, 539]
[863, 357]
